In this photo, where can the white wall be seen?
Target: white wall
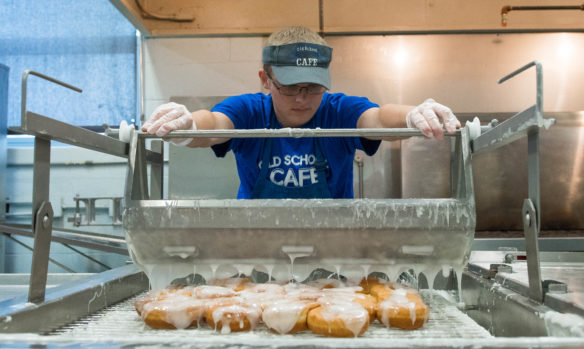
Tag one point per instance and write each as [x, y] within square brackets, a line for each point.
[199, 67]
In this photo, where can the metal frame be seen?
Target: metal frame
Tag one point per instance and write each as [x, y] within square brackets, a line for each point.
[526, 123]
[89, 203]
[69, 302]
[45, 129]
[100, 242]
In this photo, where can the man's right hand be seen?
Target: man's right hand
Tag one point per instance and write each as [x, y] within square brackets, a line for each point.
[169, 117]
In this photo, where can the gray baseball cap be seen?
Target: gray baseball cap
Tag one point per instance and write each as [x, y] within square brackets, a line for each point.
[299, 63]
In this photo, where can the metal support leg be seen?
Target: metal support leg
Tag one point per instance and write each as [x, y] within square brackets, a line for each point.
[533, 172]
[531, 217]
[157, 172]
[117, 214]
[41, 174]
[137, 184]
[43, 229]
[42, 222]
[89, 210]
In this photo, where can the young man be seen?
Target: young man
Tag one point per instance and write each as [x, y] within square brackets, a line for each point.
[296, 73]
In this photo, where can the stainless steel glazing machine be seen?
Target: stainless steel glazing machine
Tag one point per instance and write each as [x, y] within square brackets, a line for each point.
[475, 299]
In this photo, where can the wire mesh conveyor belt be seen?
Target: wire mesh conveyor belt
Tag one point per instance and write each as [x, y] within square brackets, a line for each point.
[122, 322]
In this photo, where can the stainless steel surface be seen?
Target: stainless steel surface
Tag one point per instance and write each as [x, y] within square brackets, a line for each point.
[69, 302]
[544, 244]
[502, 311]
[16, 285]
[173, 236]
[189, 232]
[375, 230]
[499, 176]
[566, 268]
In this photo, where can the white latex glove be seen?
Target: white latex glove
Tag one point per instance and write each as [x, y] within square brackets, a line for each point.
[431, 117]
[169, 117]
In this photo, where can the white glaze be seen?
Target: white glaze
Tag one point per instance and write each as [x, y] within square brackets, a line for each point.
[354, 316]
[398, 299]
[282, 315]
[212, 292]
[179, 310]
[224, 316]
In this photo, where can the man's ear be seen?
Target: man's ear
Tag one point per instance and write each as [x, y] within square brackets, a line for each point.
[264, 79]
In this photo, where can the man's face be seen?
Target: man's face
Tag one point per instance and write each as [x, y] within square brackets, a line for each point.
[292, 111]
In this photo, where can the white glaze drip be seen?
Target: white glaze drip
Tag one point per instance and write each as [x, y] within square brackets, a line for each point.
[354, 316]
[282, 315]
[180, 310]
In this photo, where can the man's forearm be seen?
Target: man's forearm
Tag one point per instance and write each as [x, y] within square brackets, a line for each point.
[207, 120]
[393, 115]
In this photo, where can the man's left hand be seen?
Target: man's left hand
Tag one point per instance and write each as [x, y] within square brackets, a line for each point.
[432, 118]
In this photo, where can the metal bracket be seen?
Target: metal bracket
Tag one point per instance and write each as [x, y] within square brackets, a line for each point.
[530, 228]
[43, 229]
[359, 161]
[90, 215]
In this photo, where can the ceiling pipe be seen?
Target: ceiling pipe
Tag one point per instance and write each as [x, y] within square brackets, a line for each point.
[506, 9]
[321, 18]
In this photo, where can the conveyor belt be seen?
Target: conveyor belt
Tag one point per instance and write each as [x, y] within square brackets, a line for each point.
[121, 321]
[119, 326]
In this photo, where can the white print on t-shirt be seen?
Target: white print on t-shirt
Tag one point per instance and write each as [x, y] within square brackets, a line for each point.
[293, 170]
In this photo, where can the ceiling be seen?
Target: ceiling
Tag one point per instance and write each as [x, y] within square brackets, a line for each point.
[261, 17]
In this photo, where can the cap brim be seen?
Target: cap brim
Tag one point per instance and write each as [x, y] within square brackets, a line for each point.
[290, 75]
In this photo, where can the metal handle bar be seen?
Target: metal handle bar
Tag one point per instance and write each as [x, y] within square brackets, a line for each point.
[298, 133]
[24, 90]
[538, 81]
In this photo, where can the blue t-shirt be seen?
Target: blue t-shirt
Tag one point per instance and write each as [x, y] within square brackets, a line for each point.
[292, 159]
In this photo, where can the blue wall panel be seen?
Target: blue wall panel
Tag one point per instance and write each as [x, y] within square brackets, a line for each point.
[88, 44]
